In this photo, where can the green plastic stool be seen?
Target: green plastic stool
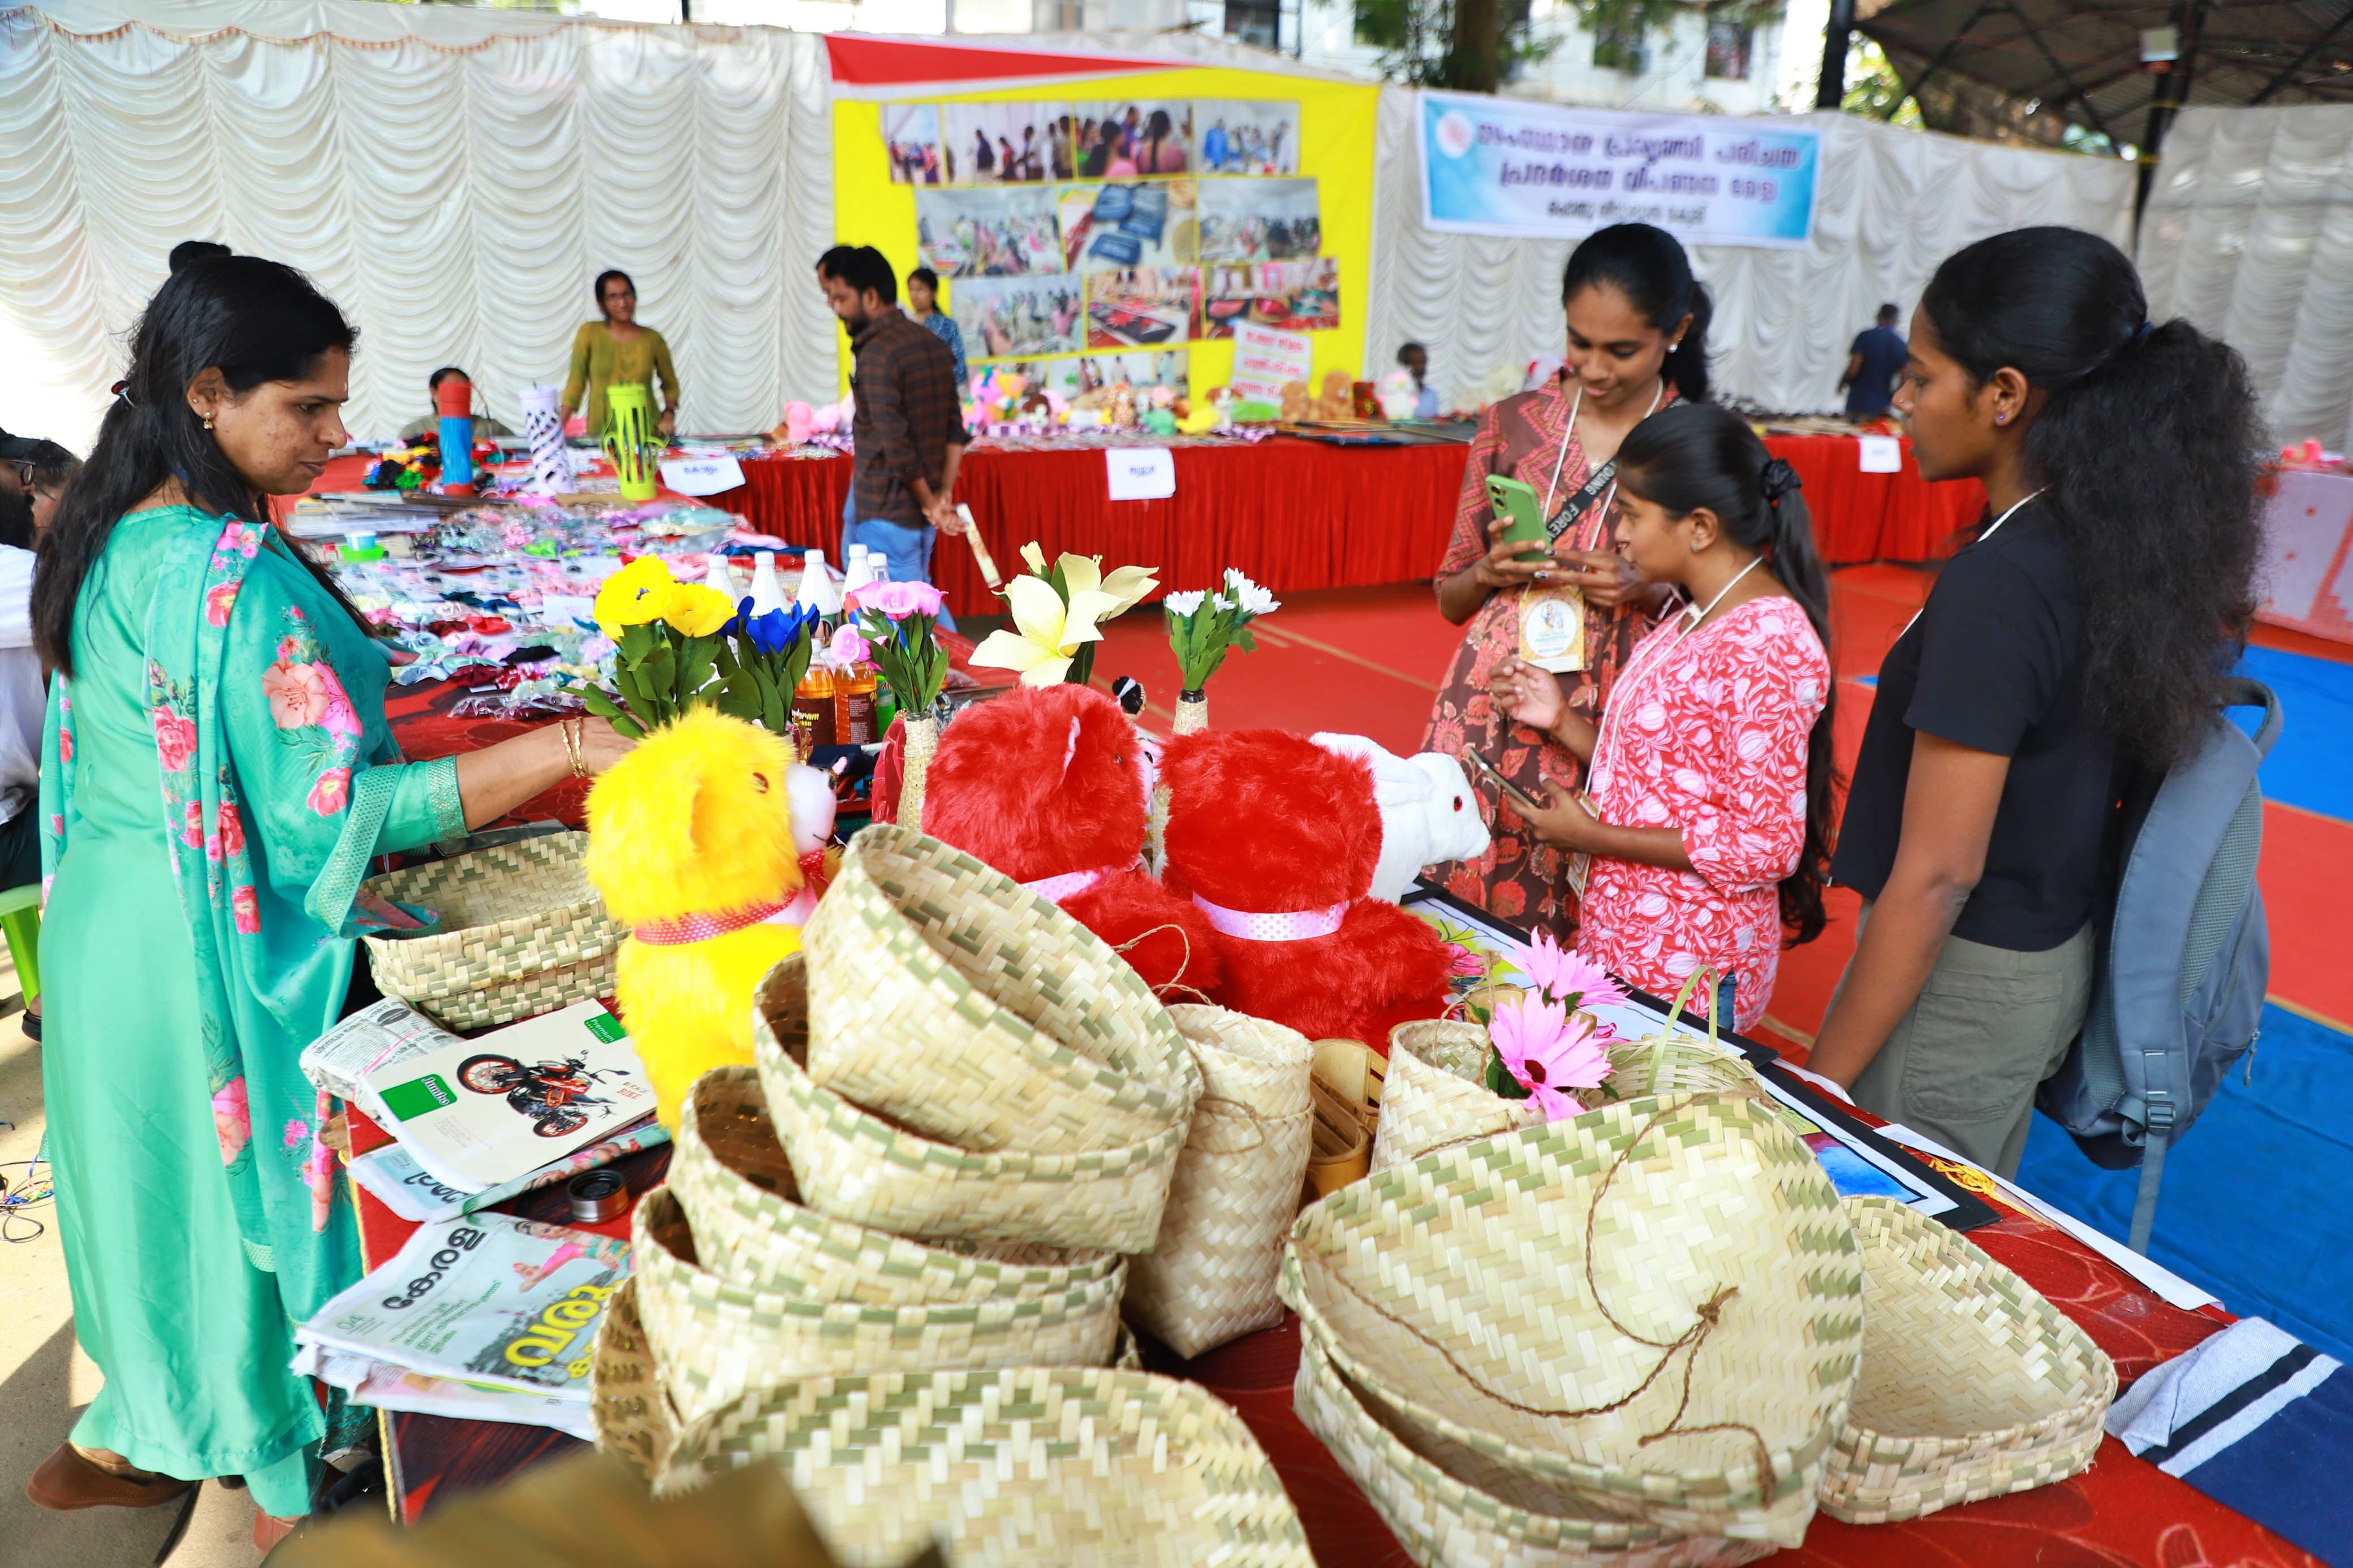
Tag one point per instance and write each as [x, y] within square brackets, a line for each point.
[20, 922]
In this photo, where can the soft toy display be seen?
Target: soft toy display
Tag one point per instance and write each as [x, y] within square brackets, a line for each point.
[1427, 813]
[1399, 394]
[1276, 838]
[692, 843]
[1047, 783]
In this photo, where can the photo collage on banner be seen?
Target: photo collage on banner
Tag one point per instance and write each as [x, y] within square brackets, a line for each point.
[1093, 241]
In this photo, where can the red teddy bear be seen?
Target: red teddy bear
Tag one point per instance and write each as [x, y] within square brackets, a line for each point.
[1045, 783]
[1276, 839]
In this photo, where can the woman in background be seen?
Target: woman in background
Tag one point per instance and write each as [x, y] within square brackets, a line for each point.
[1637, 322]
[2076, 646]
[217, 774]
[618, 351]
[924, 303]
[1710, 817]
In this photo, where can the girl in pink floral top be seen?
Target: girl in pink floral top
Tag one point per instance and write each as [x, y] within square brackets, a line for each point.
[1708, 819]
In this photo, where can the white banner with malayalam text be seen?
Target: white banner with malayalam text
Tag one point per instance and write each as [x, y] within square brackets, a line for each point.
[1545, 171]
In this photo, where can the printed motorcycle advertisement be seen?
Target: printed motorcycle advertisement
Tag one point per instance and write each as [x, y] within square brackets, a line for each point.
[476, 1114]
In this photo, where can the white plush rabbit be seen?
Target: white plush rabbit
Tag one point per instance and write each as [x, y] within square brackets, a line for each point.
[1428, 812]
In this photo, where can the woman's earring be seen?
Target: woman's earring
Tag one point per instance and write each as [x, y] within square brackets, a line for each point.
[208, 421]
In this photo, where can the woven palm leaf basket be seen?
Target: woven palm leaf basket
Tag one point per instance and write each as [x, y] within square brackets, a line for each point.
[712, 1339]
[522, 932]
[1654, 1309]
[1436, 1094]
[1673, 1062]
[1973, 1386]
[1011, 1469]
[631, 1412]
[948, 997]
[1210, 1275]
[1440, 1521]
[732, 1179]
[858, 1166]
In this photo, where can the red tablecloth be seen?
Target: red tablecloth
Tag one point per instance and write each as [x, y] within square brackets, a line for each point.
[1300, 514]
[1289, 514]
[1876, 517]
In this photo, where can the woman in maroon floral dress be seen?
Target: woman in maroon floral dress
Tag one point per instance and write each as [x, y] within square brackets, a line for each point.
[1637, 341]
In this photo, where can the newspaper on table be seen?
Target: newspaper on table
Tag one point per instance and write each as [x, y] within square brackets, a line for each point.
[408, 1190]
[382, 1386]
[382, 1034]
[488, 1300]
[476, 1114]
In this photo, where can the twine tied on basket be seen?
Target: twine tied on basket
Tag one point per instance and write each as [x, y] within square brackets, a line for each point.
[1706, 1319]
[1173, 985]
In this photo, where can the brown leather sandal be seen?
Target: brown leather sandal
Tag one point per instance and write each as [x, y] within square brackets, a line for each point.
[68, 1478]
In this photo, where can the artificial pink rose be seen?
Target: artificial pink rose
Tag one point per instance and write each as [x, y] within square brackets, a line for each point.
[231, 829]
[333, 792]
[218, 599]
[848, 647]
[899, 599]
[232, 1122]
[247, 907]
[339, 717]
[296, 693]
[175, 740]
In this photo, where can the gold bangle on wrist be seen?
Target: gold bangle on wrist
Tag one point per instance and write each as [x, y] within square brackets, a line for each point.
[570, 729]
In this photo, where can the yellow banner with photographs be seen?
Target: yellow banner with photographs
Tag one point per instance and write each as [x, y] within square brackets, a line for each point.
[1124, 227]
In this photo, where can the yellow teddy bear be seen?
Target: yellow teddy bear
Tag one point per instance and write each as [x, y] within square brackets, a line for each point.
[694, 842]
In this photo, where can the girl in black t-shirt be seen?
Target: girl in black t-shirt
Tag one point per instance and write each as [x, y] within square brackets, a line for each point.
[2081, 635]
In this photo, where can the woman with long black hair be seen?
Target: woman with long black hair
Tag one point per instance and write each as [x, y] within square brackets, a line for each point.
[1709, 819]
[215, 775]
[1637, 336]
[2080, 641]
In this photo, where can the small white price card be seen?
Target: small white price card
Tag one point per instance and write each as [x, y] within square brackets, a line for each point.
[1880, 455]
[701, 476]
[1142, 473]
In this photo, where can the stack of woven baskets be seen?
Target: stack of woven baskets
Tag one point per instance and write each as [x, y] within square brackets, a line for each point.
[894, 1253]
[1652, 1336]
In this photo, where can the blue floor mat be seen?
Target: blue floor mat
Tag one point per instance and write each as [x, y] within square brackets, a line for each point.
[2307, 767]
[2253, 1202]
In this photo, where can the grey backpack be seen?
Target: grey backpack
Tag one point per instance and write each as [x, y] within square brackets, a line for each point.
[2184, 961]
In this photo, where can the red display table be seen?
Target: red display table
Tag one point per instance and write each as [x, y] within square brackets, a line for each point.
[1294, 514]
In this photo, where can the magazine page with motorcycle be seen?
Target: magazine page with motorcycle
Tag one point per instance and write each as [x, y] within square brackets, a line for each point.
[477, 1113]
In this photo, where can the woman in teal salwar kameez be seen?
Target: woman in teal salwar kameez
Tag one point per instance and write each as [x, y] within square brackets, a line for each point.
[217, 775]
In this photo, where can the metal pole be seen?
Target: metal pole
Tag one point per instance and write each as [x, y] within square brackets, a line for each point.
[1831, 92]
[2172, 91]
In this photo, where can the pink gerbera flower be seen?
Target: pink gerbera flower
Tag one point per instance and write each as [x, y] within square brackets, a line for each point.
[1549, 1051]
[1566, 976]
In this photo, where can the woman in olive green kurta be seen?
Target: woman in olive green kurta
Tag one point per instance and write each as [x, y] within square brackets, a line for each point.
[616, 351]
[217, 773]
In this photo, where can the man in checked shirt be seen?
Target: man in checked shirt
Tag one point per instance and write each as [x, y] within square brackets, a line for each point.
[909, 425]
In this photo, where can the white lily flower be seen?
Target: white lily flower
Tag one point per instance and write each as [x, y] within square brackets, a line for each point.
[1126, 586]
[1034, 558]
[1049, 633]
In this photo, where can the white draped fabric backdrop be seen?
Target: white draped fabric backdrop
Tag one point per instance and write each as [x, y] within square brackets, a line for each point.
[1892, 203]
[452, 177]
[455, 176]
[2249, 234]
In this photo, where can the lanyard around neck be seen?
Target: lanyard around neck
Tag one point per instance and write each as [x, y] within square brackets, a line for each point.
[1989, 533]
[1568, 433]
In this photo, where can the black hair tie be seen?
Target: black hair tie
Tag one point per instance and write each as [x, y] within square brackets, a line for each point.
[1777, 481]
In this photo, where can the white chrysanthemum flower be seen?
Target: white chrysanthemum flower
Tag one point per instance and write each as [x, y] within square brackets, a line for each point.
[1184, 604]
[1253, 599]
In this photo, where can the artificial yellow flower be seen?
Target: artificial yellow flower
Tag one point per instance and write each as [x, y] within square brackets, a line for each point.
[1124, 587]
[1049, 633]
[637, 594]
[697, 611]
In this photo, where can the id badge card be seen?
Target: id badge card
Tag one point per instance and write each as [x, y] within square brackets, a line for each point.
[1580, 865]
[1552, 628]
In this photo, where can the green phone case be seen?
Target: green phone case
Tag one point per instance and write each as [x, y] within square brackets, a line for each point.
[1518, 503]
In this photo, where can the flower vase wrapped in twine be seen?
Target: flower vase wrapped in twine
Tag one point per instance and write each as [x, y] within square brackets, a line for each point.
[923, 740]
[1192, 716]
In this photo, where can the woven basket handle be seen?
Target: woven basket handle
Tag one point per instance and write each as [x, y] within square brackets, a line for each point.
[1702, 976]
